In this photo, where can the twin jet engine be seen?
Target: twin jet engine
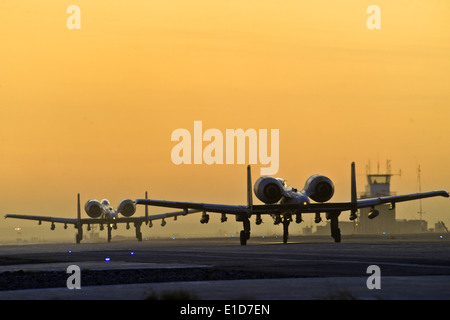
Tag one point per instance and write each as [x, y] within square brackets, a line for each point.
[270, 190]
[97, 209]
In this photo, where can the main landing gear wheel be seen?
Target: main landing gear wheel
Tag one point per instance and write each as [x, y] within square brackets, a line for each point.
[286, 222]
[78, 238]
[336, 235]
[245, 234]
[334, 225]
[137, 225]
[109, 233]
[79, 235]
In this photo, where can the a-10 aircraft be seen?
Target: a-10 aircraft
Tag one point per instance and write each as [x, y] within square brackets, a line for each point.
[283, 202]
[102, 213]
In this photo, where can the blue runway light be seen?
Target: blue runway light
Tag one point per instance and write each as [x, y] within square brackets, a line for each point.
[132, 253]
[107, 259]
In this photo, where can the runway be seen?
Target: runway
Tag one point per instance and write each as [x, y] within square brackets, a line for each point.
[309, 267]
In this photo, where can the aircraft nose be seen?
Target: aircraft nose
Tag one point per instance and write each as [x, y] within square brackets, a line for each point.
[304, 200]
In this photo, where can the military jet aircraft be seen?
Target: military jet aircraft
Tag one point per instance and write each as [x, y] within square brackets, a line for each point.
[102, 213]
[282, 202]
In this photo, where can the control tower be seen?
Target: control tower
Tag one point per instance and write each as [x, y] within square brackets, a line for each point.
[378, 185]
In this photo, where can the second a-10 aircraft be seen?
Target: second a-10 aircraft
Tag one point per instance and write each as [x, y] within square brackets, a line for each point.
[282, 202]
[102, 213]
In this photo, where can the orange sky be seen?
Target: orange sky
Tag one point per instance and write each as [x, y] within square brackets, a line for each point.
[92, 110]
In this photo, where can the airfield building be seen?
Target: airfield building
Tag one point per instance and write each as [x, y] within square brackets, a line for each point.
[378, 185]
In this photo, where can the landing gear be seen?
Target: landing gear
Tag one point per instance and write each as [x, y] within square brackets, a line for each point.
[245, 234]
[137, 225]
[109, 232]
[286, 221]
[79, 235]
[334, 225]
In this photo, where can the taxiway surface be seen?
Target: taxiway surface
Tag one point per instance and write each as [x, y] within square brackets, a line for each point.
[314, 267]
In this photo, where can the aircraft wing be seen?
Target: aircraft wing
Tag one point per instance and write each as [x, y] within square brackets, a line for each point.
[298, 208]
[256, 209]
[363, 203]
[57, 219]
[171, 214]
[100, 220]
[150, 217]
[43, 218]
[209, 207]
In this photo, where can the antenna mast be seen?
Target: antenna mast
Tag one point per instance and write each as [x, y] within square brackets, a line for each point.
[420, 212]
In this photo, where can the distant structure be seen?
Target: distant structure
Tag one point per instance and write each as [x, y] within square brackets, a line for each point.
[420, 212]
[379, 185]
[440, 227]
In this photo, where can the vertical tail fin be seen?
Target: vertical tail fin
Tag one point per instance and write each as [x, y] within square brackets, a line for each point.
[79, 225]
[78, 208]
[249, 191]
[354, 199]
[146, 208]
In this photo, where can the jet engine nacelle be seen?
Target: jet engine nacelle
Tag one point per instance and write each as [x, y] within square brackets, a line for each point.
[127, 207]
[319, 188]
[93, 208]
[269, 190]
